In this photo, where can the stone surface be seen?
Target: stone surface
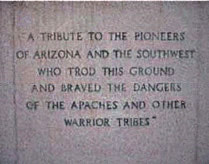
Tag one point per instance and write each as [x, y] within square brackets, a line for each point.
[175, 136]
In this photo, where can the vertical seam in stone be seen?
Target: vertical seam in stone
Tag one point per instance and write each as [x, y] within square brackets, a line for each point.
[14, 83]
[198, 84]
